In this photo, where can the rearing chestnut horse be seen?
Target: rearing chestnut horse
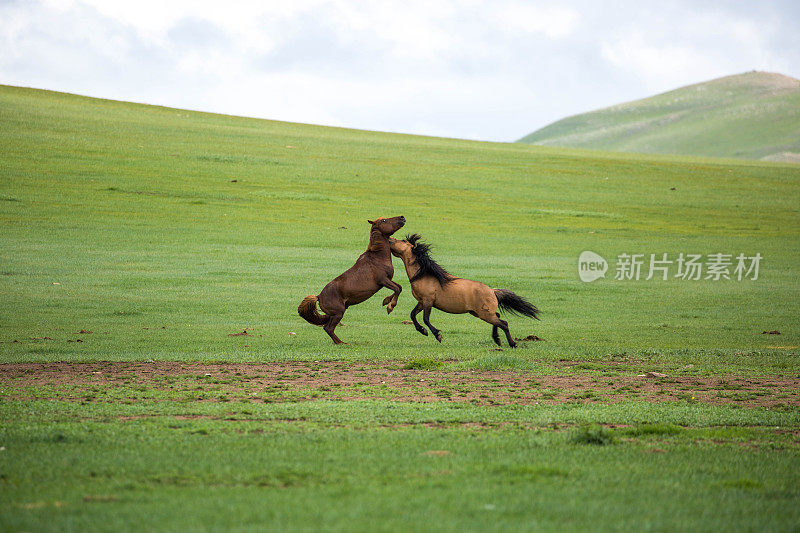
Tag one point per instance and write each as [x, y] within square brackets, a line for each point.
[372, 271]
[433, 286]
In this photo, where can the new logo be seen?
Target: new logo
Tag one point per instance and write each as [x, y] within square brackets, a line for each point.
[591, 266]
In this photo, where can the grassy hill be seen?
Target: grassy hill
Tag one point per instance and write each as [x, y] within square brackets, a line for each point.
[148, 217]
[755, 115]
[149, 236]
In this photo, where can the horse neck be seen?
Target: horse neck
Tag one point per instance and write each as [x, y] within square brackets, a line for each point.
[411, 266]
[379, 243]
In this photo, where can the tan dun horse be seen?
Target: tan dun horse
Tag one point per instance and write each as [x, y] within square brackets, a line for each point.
[433, 286]
[372, 271]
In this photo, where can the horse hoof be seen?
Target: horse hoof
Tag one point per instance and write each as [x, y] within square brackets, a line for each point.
[438, 336]
[513, 345]
[423, 331]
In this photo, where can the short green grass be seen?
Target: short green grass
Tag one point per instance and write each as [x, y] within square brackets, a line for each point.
[366, 466]
[162, 232]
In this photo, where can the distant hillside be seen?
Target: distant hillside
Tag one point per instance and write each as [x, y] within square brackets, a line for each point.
[755, 115]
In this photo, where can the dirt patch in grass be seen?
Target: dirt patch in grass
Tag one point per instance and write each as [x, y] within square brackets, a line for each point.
[338, 380]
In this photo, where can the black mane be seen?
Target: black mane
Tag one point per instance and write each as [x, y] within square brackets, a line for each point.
[427, 266]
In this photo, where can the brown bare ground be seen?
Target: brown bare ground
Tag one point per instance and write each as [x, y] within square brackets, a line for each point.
[341, 380]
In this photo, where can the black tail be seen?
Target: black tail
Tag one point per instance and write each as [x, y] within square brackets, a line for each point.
[515, 304]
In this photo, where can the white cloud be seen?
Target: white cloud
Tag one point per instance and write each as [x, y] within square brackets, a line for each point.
[470, 68]
[660, 65]
[555, 22]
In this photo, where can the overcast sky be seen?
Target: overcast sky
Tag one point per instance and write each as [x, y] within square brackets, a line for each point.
[479, 70]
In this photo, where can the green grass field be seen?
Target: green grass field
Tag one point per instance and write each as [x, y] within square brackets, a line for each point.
[752, 115]
[164, 231]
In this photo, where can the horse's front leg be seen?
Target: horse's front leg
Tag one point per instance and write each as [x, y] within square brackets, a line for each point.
[426, 316]
[414, 313]
[391, 300]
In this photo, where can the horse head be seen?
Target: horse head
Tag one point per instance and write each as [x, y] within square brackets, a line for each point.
[387, 226]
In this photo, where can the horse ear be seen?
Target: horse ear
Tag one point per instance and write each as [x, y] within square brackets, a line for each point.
[371, 221]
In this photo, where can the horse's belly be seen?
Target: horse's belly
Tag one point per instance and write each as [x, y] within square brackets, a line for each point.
[450, 307]
[358, 296]
[464, 296]
[451, 301]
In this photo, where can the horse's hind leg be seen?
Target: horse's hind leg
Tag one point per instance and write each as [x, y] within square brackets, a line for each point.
[414, 313]
[426, 316]
[333, 321]
[334, 307]
[486, 316]
[504, 326]
[497, 323]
